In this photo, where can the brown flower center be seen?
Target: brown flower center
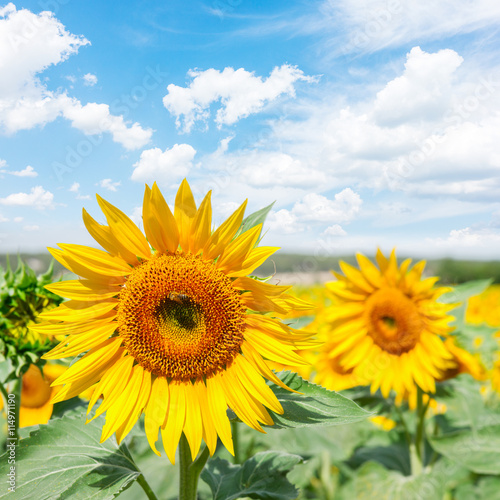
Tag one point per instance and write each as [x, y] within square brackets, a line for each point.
[180, 317]
[393, 320]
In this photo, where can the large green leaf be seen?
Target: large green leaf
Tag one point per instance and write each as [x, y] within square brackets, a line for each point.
[315, 406]
[476, 449]
[64, 459]
[254, 219]
[373, 481]
[464, 291]
[262, 476]
[487, 488]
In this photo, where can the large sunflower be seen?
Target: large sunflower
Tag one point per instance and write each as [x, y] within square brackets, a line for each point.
[176, 331]
[389, 328]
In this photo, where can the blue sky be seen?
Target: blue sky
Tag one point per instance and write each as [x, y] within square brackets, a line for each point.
[371, 123]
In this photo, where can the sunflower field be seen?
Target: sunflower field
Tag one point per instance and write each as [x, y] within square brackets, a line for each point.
[162, 366]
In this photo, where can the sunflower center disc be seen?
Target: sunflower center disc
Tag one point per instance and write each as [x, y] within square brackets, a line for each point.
[180, 317]
[393, 320]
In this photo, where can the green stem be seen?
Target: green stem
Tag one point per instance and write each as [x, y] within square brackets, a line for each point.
[147, 489]
[420, 432]
[4, 394]
[403, 423]
[236, 442]
[190, 471]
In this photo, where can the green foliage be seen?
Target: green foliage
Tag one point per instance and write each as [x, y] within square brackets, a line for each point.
[263, 476]
[64, 459]
[254, 219]
[22, 298]
[314, 406]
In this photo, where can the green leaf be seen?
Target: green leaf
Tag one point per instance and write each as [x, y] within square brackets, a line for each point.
[254, 219]
[373, 481]
[477, 450]
[465, 291]
[262, 476]
[64, 459]
[486, 489]
[316, 405]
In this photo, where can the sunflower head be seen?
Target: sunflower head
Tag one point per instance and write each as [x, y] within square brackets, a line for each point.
[170, 324]
[387, 325]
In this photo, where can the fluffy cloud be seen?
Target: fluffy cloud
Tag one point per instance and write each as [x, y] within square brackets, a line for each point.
[164, 167]
[29, 171]
[240, 92]
[29, 44]
[422, 92]
[89, 79]
[38, 198]
[315, 207]
[109, 184]
[335, 230]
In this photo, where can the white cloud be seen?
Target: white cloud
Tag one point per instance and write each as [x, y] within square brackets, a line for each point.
[109, 184]
[240, 92]
[315, 207]
[18, 219]
[136, 216]
[284, 221]
[30, 43]
[370, 25]
[89, 79]
[268, 169]
[95, 118]
[480, 238]
[164, 167]
[335, 230]
[422, 91]
[32, 227]
[29, 171]
[75, 188]
[3, 219]
[38, 198]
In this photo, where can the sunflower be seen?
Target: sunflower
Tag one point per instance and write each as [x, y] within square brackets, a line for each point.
[170, 324]
[388, 327]
[36, 393]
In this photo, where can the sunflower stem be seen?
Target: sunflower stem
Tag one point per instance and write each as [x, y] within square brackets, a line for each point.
[420, 431]
[147, 489]
[236, 442]
[190, 471]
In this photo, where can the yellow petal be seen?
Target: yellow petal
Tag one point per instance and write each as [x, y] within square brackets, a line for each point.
[83, 290]
[121, 410]
[140, 404]
[84, 272]
[202, 225]
[76, 310]
[159, 223]
[193, 428]
[124, 230]
[105, 237]
[235, 253]
[172, 431]
[111, 385]
[252, 261]
[91, 362]
[156, 411]
[184, 212]
[217, 405]
[209, 430]
[224, 234]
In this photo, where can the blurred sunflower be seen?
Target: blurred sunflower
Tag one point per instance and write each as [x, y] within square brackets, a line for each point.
[178, 332]
[388, 326]
[36, 393]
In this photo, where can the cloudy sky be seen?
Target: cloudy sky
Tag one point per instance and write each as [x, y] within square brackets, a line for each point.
[368, 122]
